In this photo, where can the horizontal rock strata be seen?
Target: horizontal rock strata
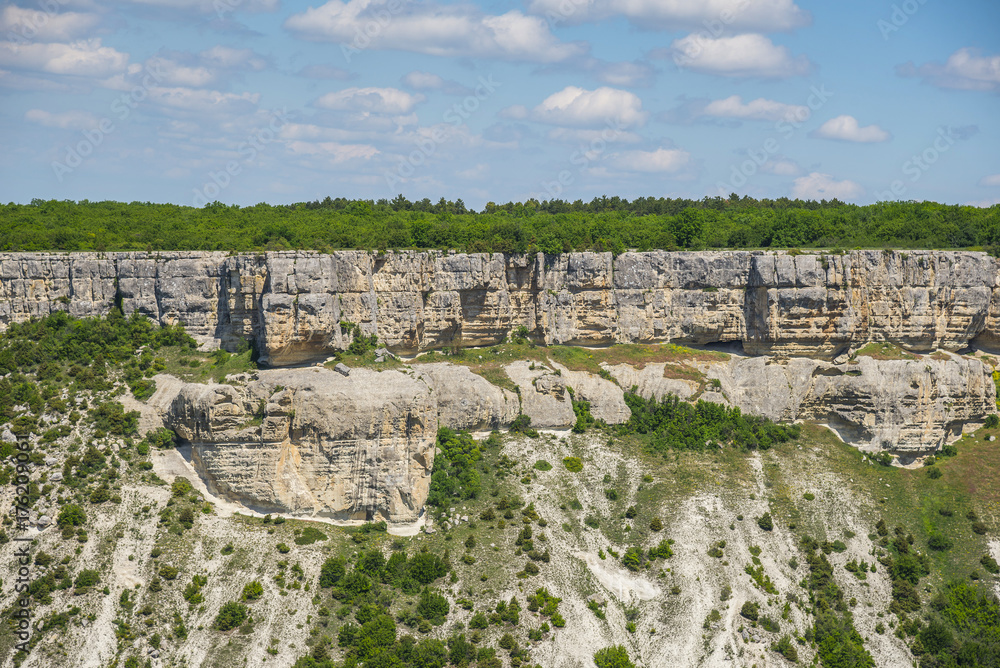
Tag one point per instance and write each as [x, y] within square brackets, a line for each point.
[294, 306]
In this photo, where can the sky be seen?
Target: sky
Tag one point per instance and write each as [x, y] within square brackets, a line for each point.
[280, 101]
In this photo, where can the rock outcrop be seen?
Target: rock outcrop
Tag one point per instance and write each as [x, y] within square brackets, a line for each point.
[313, 442]
[294, 306]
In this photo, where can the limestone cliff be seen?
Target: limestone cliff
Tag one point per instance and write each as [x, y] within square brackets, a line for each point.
[312, 442]
[293, 305]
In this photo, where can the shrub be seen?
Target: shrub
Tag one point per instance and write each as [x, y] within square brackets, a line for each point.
[542, 465]
[615, 656]
[180, 487]
[808, 496]
[309, 536]
[282, 548]
[785, 648]
[168, 572]
[573, 464]
[765, 522]
[331, 572]
[656, 524]
[231, 615]
[939, 542]
[979, 528]
[992, 421]
[71, 515]
[253, 591]
[990, 564]
[750, 610]
[934, 472]
[433, 607]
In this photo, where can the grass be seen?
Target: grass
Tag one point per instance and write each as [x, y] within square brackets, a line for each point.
[197, 367]
[489, 362]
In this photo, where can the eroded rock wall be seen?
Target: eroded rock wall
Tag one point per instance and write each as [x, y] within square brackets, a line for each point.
[294, 305]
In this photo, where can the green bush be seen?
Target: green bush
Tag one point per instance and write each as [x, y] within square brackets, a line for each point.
[765, 522]
[71, 515]
[455, 476]
[542, 465]
[615, 656]
[252, 591]
[750, 610]
[573, 464]
[433, 607]
[231, 615]
[309, 536]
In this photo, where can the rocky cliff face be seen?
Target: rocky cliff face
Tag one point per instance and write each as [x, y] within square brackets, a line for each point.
[361, 447]
[312, 442]
[292, 305]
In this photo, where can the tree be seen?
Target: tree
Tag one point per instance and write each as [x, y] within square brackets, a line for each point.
[231, 615]
[71, 515]
[331, 572]
[615, 656]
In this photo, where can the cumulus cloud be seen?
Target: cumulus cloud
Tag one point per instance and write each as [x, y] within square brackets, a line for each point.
[84, 58]
[630, 74]
[823, 186]
[225, 57]
[452, 31]
[577, 107]
[781, 167]
[964, 70]
[749, 55]
[662, 160]
[732, 15]
[67, 120]
[204, 101]
[846, 128]
[760, 109]
[991, 180]
[33, 25]
[370, 100]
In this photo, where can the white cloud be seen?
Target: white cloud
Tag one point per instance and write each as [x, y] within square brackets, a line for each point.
[760, 109]
[781, 167]
[624, 73]
[964, 70]
[574, 106]
[823, 186]
[577, 135]
[332, 151]
[67, 120]
[663, 160]
[223, 7]
[749, 55]
[172, 73]
[84, 58]
[451, 31]
[204, 101]
[33, 25]
[225, 57]
[418, 80]
[371, 100]
[991, 180]
[732, 15]
[846, 128]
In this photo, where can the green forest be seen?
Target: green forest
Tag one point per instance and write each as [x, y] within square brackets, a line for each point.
[604, 224]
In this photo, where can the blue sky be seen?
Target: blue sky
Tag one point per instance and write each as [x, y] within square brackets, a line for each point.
[244, 101]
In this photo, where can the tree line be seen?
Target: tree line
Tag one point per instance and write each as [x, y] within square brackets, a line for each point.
[554, 226]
